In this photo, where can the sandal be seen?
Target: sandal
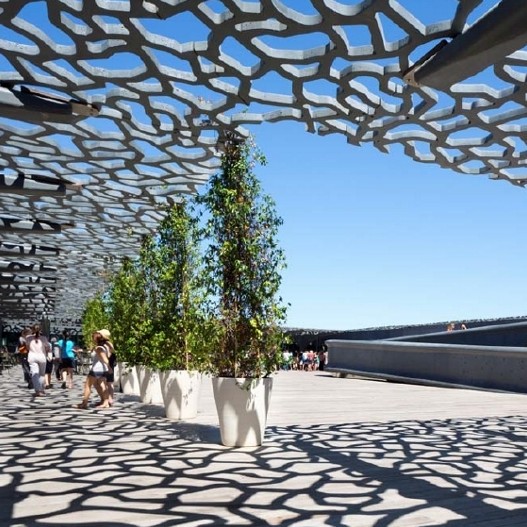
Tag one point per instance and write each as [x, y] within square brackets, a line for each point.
[80, 406]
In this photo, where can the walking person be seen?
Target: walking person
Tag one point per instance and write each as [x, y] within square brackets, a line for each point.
[38, 347]
[22, 351]
[67, 358]
[322, 358]
[112, 359]
[49, 368]
[55, 350]
[97, 375]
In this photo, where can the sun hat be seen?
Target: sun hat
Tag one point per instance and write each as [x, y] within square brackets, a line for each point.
[105, 334]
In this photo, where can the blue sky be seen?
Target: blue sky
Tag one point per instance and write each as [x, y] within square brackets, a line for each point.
[377, 239]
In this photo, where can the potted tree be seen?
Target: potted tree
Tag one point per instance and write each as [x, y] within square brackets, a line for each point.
[150, 336]
[243, 264]
[178, 341]
[94, 317]
[155, 306]
[126, 313]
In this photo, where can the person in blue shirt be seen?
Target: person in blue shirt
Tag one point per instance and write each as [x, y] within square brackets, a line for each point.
[67, 359]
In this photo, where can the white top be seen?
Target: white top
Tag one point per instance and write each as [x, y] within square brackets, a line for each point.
[97, 365]
[38, 347]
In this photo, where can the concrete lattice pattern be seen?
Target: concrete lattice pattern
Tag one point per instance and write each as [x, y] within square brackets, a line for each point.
[155, 84]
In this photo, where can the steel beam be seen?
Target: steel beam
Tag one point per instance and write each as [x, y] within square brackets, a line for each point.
[28, 280]
[502, 31]
[24, 251]
[31, 226]
[33, 105]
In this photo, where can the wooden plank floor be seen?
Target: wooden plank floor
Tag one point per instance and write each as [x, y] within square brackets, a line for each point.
[339, 452]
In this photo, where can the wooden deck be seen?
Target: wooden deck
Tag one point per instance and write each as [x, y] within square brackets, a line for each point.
[339, 452]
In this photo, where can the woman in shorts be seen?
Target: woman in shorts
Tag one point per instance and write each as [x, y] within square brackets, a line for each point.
[67, 359]
[97, 375]
[110, 378]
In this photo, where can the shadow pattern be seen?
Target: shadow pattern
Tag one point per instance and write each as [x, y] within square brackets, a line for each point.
[131, 466]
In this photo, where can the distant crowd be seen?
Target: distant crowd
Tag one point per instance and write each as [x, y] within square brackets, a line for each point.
[307, 360]
[452, 326]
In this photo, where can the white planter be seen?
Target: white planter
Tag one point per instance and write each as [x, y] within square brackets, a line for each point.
[242, 406]
[140, 372]
[117, 375]
[129, 380]
[150, 386]
[180, 389]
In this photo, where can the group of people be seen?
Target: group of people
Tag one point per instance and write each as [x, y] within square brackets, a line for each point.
[452, 326]
[41, 359]
[307, 360]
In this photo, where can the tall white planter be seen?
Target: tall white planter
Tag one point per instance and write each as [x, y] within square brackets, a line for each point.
[117, 375]
[140, 372]
[242, 406]
[150, 386]
[180, 389]
[129, 379]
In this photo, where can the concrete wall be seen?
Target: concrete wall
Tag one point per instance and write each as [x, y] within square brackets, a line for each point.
[487, 367]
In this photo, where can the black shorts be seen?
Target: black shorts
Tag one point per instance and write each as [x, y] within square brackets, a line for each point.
[97, 374]
[109, 375]
[49, 366]
[66, 363]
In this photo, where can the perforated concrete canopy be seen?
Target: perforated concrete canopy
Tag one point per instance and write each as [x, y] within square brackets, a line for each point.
[109, 109]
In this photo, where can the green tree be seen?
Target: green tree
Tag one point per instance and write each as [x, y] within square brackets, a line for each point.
[94, 318]
[126, 311]
[178, 334]
[243, 266]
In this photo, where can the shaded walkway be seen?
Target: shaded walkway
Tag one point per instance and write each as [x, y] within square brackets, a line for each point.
[129, 466]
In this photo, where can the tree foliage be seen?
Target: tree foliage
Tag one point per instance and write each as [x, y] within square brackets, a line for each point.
[243, 266]
[175, 327]
[126, 310]
[204, 292]
[94, 318]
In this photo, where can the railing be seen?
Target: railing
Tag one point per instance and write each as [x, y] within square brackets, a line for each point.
[488, 367]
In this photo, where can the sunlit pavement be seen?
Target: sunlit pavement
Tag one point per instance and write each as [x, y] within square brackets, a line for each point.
[338, 452]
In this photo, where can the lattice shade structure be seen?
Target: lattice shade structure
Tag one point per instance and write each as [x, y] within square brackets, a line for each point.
[109, 109]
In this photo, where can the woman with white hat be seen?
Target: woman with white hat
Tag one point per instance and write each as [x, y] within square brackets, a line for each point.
[97, 375]
[110, 378]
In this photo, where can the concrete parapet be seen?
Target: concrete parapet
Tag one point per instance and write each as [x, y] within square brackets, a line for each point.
[487, 367]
